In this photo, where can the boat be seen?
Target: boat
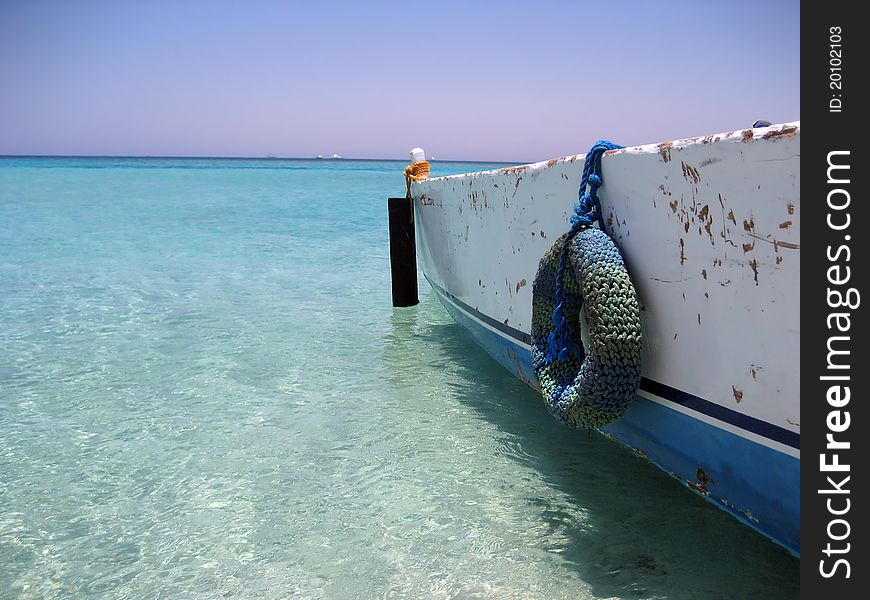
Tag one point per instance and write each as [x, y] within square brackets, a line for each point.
[709, 229]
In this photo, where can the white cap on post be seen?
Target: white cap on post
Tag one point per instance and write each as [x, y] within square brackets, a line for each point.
[417, 155]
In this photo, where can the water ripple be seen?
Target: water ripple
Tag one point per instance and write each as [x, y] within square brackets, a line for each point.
[204, 393]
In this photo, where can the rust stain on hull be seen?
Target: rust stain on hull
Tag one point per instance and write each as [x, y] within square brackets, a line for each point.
[777, 244]
[691, 173]
[518, 367]
[665, 151]
[754, 265]
[784, 132]
[703, 481]
[513, 170]
[709, 228]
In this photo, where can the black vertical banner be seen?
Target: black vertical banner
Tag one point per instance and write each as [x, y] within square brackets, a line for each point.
[835, 434]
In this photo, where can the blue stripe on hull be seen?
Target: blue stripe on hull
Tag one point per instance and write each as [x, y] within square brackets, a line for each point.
[757, 484]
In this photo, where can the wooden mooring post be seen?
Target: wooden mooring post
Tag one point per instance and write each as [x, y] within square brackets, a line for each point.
[403, 253]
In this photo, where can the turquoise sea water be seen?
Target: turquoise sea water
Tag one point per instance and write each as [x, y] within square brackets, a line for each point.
[205, 393]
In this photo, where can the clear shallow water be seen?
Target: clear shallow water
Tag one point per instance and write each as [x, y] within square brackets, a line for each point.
[204, 393]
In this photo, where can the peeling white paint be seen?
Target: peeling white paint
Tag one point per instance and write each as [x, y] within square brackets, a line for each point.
[710, 231]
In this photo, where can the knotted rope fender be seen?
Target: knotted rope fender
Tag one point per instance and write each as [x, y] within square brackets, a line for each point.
[592, 386]
[417, 171]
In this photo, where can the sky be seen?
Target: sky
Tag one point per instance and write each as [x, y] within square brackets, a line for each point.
[501, 81]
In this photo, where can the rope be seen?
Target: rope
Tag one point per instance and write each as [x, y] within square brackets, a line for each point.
[586, 386]
[416, 172]
[587, 211]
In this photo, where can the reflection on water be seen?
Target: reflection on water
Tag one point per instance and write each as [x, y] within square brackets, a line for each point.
[619, 524]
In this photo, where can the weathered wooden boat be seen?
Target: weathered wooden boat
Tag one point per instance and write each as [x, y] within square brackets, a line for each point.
[709, 229]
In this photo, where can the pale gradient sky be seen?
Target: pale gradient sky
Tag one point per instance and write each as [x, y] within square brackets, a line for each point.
[512, 81]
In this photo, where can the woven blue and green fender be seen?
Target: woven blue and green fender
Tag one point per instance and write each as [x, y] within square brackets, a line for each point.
[587, 386]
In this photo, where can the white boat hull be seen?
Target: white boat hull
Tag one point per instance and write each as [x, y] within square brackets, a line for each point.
[710, 232]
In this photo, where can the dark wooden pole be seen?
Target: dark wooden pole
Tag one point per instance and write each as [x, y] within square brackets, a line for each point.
[403, 253]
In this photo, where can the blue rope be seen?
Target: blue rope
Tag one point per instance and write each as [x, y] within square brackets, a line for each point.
[587, 211]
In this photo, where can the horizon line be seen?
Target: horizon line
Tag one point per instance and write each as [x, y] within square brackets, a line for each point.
[270, 157]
